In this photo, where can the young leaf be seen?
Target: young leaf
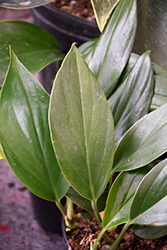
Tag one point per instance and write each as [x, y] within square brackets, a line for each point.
[25, 136]
[102, 10]
[116, 40]
[22, 4]
[35, 47]
[144, 141]
[132, 99]
[149, 203]
[82, 127]
[151, 32]
[120, 198]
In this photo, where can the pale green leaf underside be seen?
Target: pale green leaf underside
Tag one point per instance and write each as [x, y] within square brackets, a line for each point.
[102, 10]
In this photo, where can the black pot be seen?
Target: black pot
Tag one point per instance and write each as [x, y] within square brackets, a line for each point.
[47, 214]
[65, 235]
[66, 29]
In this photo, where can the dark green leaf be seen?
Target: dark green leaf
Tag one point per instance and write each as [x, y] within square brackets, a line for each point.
[120, 198]
[144, 141]
[25, 136]
[84, 203]
[160, 95]
[152, 31]
[110, 53]
[35, 47]
[82, 127]
[149, 232]
[132, 99]
[22, 4]
[102, 10]
[149, 203]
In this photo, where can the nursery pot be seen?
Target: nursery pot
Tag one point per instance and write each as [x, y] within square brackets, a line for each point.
[68, 247]
[47, 214]
[66, 29]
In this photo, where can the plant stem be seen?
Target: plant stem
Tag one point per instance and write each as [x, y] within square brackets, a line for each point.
[118, 240]
[96, 212]
[97, 242]
[61, 208]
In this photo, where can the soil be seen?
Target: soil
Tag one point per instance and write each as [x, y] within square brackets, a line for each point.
[80, 8]
[88, 230]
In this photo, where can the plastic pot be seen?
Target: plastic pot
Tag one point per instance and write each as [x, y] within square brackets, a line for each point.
[66, 29]
[47, 214]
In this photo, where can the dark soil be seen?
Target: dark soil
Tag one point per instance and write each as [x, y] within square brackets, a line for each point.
[88, 230]
[80, 8]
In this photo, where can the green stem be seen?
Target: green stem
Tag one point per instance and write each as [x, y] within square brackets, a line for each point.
[61, 208]
[97, 242]
[118, 240]
[96, 212]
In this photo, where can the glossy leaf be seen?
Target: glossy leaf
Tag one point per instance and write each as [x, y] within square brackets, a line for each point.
[149, 232]
[102, 10]
[25, 136]
[149, 203]
[84, 203]
[144, 141]
[82, 127]
[34, 47]
[132, 99]
[120, 198]
[152, 30]
[22, 4]
[116, 40]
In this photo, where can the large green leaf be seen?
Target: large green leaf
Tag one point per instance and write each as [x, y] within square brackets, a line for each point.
[22, 4]
[152, 32]
[35, 47]
[25, 136]
[102, 10]
[132, 99]
[149, 203]
[82, 127]
[120, 198]
[144, 141]
[110, 53]
[149, 232]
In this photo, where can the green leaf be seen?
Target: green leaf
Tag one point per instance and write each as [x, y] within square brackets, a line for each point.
[35, 47]
[25, 136]
[84, 203]
[1, 153]
[102, 10]
[160, 95]
[149, 203]
[110, 53]
[132, 99]
[149, 232]
[82, 127]
[120, 198]
[22, 4]
[151, 32]
[144, 141]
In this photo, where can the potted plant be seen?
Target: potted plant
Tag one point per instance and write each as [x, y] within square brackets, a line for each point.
[72, 139]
